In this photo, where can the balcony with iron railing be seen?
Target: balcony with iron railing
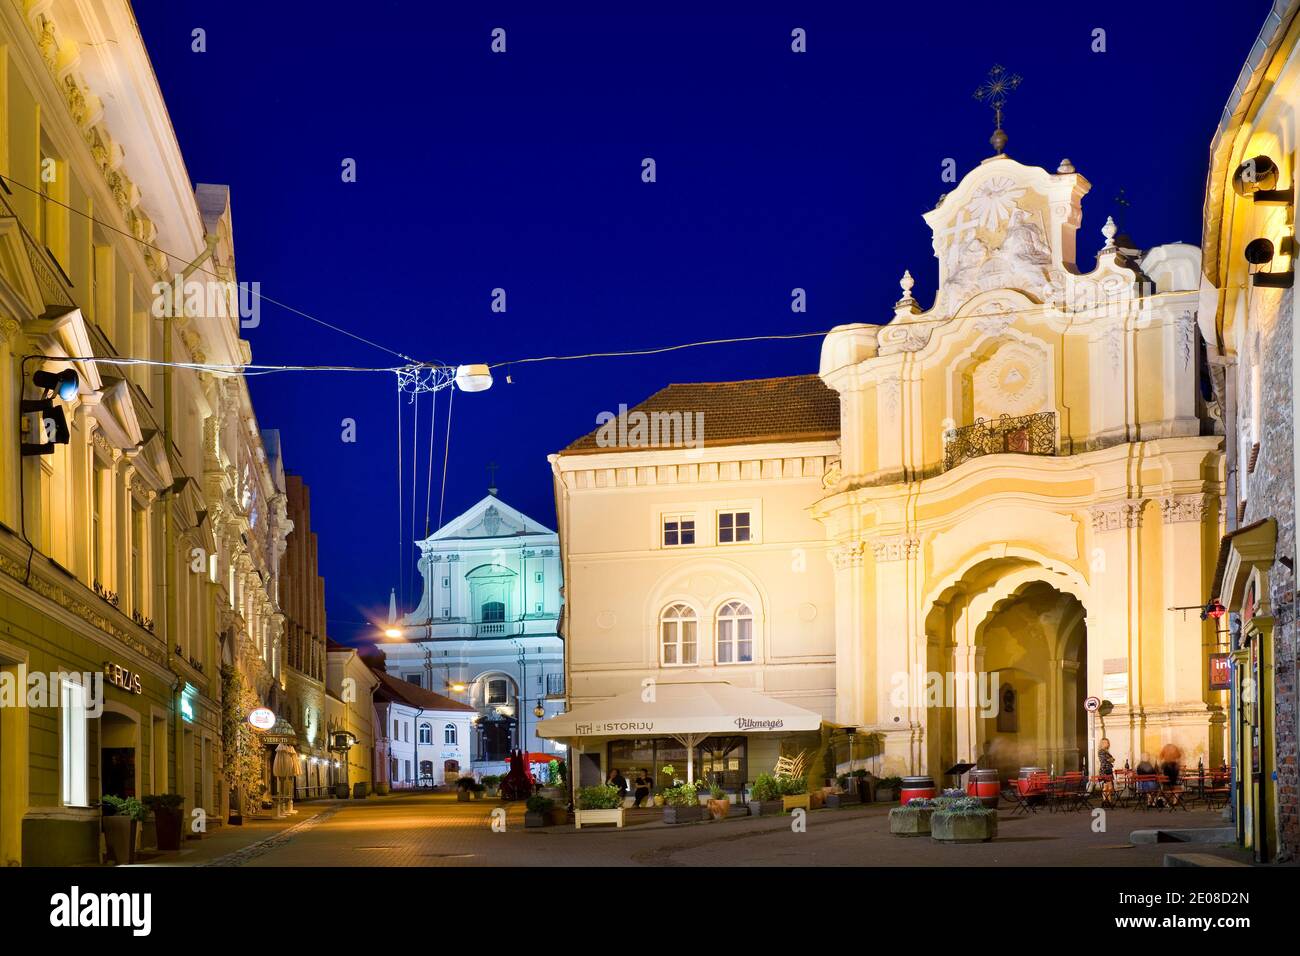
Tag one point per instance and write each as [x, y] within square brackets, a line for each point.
[1016, 435]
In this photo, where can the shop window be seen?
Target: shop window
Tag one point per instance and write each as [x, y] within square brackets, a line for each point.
[735, 633]
[733, 527]
[73, 704]
[677, 635]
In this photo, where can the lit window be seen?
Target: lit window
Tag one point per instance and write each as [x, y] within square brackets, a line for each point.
[677, 630]
[679, 530]
[449, 734]
[73, 713]
[735, 634]
[733, 527]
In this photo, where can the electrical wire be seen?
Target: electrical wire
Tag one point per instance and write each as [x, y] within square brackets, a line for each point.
[446, 455]
[428, 472]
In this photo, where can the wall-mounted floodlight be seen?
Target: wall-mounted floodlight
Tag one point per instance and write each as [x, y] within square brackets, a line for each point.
[51, 424]
[473, 378]
[64, 384]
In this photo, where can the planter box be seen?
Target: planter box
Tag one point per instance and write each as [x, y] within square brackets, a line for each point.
[591, 817]
[532, 819]
[884, 795]
[381, 789]
[683, 814]
[799, 801]
[909, 821]
[955, 828]
[478, 794]
[119, 836]
[766, 808]
[167, 826]
[719, 809]
[462, 795]
[359, 791]
[816, 800]
[559, 816]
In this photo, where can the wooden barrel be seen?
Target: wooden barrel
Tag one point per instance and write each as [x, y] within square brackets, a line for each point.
[984, 784]
[1025, 774]
[914, 788]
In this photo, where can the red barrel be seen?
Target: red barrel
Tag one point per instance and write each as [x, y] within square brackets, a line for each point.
[916, 788]
[1024, 780]
[984, 784]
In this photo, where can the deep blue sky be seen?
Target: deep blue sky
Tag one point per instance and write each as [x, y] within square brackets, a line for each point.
[522, 171]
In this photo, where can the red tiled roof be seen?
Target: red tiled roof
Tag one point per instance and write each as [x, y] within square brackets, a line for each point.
[404, 692]
[790, 408]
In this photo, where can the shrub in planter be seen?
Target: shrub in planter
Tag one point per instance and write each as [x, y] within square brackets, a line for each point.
[121, 820]
[794, 793]
[464, 787]
[493, 784]
[359, 790]
[168, 817]
[765, 796]
[682, 804]
[963, 820]
[913, 819]
[601, 804]
[887, 789]
[537, 811]
[719, 804]
[477, 790]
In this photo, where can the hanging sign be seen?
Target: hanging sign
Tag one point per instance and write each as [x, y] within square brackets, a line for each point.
[1220, 672]
[263, 718]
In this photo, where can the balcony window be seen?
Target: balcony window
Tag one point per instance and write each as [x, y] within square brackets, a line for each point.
[1018, 435]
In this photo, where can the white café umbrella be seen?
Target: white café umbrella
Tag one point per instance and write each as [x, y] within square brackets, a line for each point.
[689, 712]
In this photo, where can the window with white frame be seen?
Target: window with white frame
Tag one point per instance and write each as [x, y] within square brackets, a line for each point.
[679, 530]
[733, 527]
[677, 635]
[426, 733]
[73, 703]
[735, 633]
[449, 734]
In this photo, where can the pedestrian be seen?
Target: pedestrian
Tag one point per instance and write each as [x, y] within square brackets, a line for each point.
[1106, 770]
[642, 784]
[616, 779]
[1170, 758]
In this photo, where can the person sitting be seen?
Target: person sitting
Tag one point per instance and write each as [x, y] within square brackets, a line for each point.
[616, 779]
[642, 784]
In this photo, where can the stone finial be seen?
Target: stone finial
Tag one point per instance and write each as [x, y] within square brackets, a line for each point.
[1065, 167]
[906, 284]
[906, 304]
[1109, 230]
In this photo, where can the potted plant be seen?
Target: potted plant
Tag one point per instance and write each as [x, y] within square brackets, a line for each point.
[477, 790]
[719, 805]
[167, 816]
[913, 819]
[464, 787]
[963, 820]
[765, 796]
[359, 790]
[682, 804]
[340, 791]
[794, 793]
[887, 789]
[121, 821]
[493, 784]
[602, 804]
[537, 811]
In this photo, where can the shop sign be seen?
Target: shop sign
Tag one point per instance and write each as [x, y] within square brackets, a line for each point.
[765, 723]
[1220, 672]
[119, 676]
[187, 710]
[613, 727]
[263, 718]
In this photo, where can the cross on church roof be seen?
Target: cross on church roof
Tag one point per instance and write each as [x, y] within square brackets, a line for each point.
[994, 92]
[492, 478]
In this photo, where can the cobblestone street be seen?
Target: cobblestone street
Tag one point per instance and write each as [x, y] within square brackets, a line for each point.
[435, 830]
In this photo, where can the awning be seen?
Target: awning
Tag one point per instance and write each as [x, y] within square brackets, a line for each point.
[681, 709]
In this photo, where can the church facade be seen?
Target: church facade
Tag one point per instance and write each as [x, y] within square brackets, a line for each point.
[1028, 502]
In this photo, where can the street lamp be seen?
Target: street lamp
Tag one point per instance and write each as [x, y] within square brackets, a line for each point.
[473, 378]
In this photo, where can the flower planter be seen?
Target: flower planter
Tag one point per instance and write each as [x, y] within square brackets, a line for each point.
[359, 791]
[340, 791]
[683, 814]
[462, 796]
[478, 794]
[910, 821]
[963, 828]
[719, 809]
[119, 835]
[559, 816]
[816, 800]
[535, 819]
[583, 818]
[885, 795]
[381, 789]
[797, 801]
[766, 808]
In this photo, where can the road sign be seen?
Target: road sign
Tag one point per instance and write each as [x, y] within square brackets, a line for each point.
[1092, 704]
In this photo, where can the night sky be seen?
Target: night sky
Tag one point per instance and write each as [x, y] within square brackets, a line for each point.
[522, 171]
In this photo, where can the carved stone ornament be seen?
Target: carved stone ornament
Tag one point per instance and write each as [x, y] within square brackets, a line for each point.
[1115, 515]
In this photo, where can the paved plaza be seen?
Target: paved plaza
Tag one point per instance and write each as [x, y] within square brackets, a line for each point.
[433, 829]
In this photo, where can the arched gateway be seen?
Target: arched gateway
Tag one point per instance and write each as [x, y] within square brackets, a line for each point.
[1028, 495]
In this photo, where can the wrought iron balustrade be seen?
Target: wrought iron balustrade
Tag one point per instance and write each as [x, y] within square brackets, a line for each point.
[1019, 435]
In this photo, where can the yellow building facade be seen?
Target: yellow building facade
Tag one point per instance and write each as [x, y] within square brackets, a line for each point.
[1028, 496]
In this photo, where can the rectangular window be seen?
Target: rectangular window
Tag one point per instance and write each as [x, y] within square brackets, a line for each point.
[98, 515]
[537, 577]
[137, 559]
[446, 582]
[679, 530]
[446, 612]
[496, 692]
[679, 641]
[413, 679]
[396, 733]
[538, 606]
[75, 773]
[733, 527]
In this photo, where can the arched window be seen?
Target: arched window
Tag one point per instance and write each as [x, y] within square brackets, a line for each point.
[449, 734]
[426, 733]
[677, 635]
[735, 633]
[493, 612]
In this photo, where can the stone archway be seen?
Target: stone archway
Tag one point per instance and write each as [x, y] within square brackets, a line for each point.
[1007, 638]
